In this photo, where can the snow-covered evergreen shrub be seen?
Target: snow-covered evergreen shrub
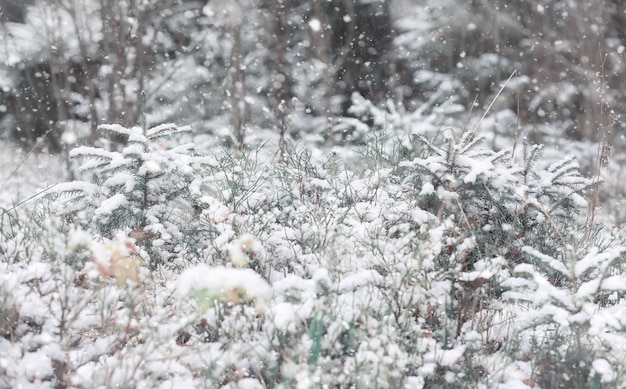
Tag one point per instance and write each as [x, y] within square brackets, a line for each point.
[566, 318]
[501, 203]
[144, 188]
[427, 119]
[474, 214]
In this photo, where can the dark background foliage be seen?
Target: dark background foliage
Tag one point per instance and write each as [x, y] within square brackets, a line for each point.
[116, 60]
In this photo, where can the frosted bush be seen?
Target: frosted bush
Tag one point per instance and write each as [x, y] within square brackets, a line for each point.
[426, 261]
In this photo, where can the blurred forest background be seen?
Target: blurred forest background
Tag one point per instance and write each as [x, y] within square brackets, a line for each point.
[307, 68]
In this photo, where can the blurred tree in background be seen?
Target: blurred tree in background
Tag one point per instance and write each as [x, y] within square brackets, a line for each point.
[228, 67]
[568, 55]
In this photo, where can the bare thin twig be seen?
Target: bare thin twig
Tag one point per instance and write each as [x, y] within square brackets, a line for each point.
[493, 101]
[32, 150]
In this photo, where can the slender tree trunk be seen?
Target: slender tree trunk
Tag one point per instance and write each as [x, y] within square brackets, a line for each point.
[323, 53]
[237, 92]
